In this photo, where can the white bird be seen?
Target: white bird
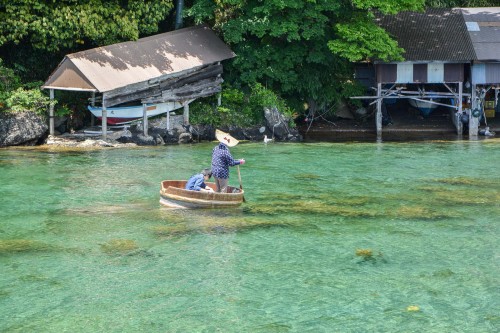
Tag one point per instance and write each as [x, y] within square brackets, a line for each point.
[266, 140]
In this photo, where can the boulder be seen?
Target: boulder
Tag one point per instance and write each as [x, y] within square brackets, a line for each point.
[185, 138]
[143, 140]
[25, 128]
[278, 125]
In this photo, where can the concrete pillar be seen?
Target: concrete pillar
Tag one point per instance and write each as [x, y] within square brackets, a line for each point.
[51, 112]
[379, 110]
[145, 119]
[473, 121]
[186, 114]
[92, 103]
[168, 120]
[104, 121]
[496, 98]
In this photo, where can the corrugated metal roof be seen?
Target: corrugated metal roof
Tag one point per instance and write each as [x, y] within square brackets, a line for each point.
[438, 34]
[485, 39]
[110, 67]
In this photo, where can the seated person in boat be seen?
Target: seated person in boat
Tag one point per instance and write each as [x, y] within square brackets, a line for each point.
[197, 182]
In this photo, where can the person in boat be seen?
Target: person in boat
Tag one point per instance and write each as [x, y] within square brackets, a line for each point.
[197, 182]
[222, 160]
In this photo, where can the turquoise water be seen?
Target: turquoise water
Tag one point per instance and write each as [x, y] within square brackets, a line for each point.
[334, 237]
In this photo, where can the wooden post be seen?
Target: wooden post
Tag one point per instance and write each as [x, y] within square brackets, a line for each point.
[104, 121]
[379, 110]
[186, 114]
[51, 113]
[219, 99]
[145, 119]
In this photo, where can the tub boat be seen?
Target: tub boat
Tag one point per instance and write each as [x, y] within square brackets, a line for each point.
[174, 195]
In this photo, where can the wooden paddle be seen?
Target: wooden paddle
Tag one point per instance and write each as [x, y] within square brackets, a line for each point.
[239, 178]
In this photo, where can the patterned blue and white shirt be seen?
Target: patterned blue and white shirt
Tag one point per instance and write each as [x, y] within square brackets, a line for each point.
[221, 161]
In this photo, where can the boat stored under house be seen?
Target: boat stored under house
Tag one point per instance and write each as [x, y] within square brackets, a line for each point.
[177, 66]
[443, 62]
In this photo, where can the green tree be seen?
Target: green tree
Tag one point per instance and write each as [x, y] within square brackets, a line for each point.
[36, 34]
[52, 25]
[301, 49]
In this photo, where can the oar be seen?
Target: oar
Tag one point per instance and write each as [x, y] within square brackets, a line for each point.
[239, 178]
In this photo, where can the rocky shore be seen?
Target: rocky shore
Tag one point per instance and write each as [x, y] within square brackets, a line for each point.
[28, 129]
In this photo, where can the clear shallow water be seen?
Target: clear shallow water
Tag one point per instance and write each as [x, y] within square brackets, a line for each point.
[86, 247]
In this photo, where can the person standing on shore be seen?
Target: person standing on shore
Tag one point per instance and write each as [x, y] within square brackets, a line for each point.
[222, 160]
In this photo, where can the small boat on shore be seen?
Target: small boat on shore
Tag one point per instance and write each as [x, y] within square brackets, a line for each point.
[126, 114]
[424, 107]
[174, 195]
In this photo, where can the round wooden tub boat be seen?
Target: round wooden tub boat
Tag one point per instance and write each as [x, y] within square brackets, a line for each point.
[173, 194]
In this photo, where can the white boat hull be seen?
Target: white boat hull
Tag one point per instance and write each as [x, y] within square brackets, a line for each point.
[424, 107]
[126, 114]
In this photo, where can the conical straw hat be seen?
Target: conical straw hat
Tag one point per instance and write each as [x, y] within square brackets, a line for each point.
[225, 138]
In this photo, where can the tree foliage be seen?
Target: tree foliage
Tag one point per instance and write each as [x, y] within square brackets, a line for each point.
[238, 108]
[302, 49]
[51, 25]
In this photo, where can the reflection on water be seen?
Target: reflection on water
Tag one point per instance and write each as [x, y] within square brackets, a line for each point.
[334, 237]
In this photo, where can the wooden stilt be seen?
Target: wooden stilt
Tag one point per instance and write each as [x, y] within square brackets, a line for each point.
[51, 113]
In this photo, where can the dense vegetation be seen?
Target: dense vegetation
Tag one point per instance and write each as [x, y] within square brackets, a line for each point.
[293, 52]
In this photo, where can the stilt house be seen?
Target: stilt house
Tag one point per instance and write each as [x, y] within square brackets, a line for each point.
[438, 53]
[483, 25]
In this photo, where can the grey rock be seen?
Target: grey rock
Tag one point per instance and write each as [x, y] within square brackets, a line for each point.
[185, 138]
[25, 128]
[278, 125]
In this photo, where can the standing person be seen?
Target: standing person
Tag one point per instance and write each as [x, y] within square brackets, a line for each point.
[197, 182]
[222, 160]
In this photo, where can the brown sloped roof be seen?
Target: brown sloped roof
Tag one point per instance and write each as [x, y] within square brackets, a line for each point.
[438, 34]
[484, 31]
[114, 66]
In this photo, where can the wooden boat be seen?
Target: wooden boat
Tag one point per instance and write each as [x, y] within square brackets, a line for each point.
[125, 114]
[174, 195]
